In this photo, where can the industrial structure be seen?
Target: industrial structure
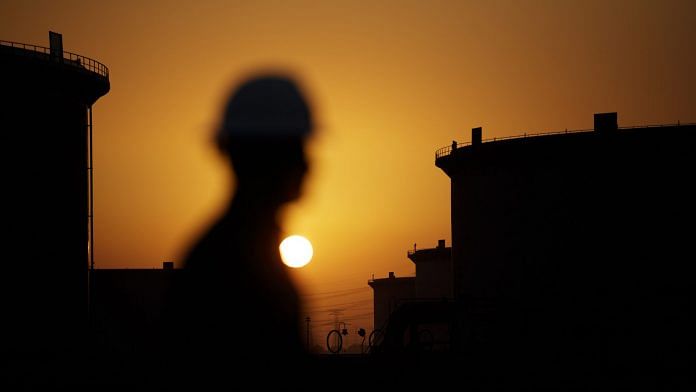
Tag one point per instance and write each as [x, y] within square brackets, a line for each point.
[128, 306]
[416, 302]
[569, 258]
[388, 294]
[46, 123]
[571, 251]
[433, 271]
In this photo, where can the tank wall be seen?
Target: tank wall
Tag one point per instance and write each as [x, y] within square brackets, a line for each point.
[434, 278]
[387, 295]
[559, 244]
[45, 212]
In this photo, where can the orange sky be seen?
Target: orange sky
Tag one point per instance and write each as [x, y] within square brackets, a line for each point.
[391, 82]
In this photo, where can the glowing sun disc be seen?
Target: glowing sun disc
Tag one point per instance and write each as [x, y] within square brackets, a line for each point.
[296, 251]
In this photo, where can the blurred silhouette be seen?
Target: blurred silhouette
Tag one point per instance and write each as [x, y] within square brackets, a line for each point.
[235, 309]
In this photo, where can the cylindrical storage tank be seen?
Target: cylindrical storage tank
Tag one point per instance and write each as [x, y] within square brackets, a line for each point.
[571, 247]
[47, 96]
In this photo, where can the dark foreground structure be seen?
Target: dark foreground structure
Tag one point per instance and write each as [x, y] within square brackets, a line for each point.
[570, 265]
[127, 307]
[45, 120]
[572, 252]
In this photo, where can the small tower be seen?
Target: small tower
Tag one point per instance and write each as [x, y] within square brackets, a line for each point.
[433, 271]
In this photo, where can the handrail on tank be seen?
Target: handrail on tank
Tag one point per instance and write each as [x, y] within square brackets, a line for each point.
[73, 58]
[447, 150]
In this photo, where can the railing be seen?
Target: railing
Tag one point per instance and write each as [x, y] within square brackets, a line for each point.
[68, 57]
[445, 151]
[372, 280]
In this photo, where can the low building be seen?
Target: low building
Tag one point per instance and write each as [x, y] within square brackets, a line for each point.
[415, 312]
[127, 305]
[388, 294]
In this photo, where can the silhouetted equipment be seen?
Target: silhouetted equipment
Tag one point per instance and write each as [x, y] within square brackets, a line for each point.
[362, 333]
[418, 325]
[334, 341]
[55, 41]
[46, 122]
[606, 122]
[476, 135]
[375, 338]
[569, 249]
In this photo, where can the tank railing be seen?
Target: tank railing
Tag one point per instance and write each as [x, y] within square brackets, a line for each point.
[413, 252]
[72, 58]
[372, 280]
[447, 150]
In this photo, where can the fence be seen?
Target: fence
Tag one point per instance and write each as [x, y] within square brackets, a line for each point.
[445, 151]
[68, 57]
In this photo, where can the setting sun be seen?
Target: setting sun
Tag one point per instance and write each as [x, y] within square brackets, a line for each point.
[296, 251]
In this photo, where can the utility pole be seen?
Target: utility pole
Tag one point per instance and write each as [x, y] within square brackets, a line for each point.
[307, 319]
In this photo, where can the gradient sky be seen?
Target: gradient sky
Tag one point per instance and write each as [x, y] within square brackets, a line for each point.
[391, 81]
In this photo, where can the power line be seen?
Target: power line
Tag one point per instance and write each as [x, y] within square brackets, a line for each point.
[337, 292]
[342, 304]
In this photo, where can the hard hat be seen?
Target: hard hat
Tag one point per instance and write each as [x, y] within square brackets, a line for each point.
[266, 107]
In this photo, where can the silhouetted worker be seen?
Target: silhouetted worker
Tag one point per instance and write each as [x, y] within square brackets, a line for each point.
[454, 145]
[236, 310]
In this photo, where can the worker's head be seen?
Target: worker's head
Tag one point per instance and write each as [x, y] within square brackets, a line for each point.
[263, 132]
